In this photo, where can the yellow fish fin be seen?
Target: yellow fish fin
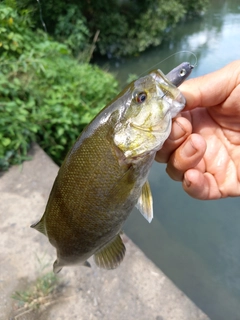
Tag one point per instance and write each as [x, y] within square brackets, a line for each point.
[145, 203]
[40, 226]
[111, 255]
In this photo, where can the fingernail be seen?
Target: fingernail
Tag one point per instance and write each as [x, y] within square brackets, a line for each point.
[187, 182]
[188, 149]
[178, 131]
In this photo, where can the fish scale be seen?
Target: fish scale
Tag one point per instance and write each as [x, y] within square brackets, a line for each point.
[105, 173]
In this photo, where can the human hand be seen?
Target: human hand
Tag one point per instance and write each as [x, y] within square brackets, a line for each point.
[203, 149]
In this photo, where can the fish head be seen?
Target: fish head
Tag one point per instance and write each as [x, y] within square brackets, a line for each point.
[145, 122]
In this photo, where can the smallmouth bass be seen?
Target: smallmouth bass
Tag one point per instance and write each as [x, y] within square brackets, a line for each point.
[105, 173]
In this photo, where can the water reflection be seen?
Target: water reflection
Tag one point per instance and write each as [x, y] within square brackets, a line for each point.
[214, 38]
[196, 243]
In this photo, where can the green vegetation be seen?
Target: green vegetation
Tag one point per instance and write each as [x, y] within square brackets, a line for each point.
[35, 296]
[45, 291]
[126, 27]
[45, 94]
[48, 89]
[39, 292]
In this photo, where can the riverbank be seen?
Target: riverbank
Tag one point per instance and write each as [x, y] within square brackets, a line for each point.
[135, 290]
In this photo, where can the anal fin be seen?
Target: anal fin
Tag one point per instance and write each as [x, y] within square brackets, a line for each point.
[145, 203]
[111, 255]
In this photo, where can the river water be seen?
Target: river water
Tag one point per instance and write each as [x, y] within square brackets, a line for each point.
[195, 243]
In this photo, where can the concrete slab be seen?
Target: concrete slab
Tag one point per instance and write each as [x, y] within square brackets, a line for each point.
[136, 290]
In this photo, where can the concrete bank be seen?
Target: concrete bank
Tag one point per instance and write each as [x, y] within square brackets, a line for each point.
[136, 290]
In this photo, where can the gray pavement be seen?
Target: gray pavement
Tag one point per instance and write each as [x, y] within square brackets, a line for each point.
[135, 290]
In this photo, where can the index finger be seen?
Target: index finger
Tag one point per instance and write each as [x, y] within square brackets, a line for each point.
[213, 88]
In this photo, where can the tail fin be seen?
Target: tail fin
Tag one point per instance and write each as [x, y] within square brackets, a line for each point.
[56, 267]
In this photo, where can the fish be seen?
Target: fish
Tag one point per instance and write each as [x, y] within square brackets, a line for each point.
[104, 175]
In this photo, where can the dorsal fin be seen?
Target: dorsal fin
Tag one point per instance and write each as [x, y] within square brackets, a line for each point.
[145, 203]
[40, 226]
[111, 255]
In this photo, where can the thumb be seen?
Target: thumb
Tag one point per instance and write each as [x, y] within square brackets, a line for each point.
[213, 88]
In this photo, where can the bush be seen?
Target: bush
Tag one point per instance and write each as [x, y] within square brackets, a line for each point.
[126, 27]
[45, 94]
[71, 28]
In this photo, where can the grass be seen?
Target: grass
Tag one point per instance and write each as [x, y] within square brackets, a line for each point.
[38, 295]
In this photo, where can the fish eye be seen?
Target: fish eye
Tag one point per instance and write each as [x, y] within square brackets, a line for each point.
[141, 97]
[182, 72]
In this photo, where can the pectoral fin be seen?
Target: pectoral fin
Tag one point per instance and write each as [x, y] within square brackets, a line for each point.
[145, 203]
[111, 255]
